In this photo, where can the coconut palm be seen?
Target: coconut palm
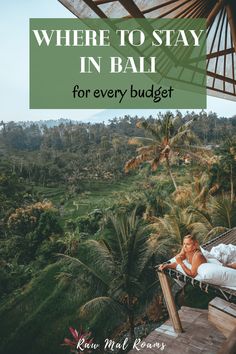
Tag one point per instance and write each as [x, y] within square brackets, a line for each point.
[187, 207]
[196, 194]
[170, 138]
[119, 272]
[194, 209]
[219, 216]
[227, 164]
[173, 226]
[70, 241]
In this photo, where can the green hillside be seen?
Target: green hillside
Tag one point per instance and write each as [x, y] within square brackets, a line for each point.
[88, 210]
[37, 320]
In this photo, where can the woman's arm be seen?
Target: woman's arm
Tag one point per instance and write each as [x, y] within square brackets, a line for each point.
[181, 254]
[168, 266]
[198, 259]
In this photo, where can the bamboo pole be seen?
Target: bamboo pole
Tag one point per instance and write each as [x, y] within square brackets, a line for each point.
[173, 313]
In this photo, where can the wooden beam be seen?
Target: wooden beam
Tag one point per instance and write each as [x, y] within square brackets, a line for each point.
[132, 8]
[95, 8]
[69, 7]
[101, 2]
[173, 313]
[212, 55]
[221, 77]
[222, 91]
[187, 10]
[154, 8]
[231, 14]
[218, 6]
[220, 53]
[173, 9]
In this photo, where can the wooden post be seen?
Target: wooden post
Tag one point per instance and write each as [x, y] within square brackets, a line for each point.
[173, 313]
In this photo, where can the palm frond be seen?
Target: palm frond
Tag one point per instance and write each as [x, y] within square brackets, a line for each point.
[214, 232]
[133, 219]
[223, 211]
[77, 261]
[182, 195]
[96, 305]
[96, 259]
[131, 164]
[201, 214]
[214, 188]
[135, 162]
[153, 128]
[196, 156]
[180, 137]
[146, 150]
[140, 141]
[200, 229]
[188, 124]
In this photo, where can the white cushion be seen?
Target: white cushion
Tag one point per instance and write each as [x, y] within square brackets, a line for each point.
[207, 254]
[179, 268]
[186, 263]
[214, 261]
[224, 253]
[217, 274]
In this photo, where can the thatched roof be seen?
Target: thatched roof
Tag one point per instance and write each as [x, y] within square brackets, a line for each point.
[221, 32]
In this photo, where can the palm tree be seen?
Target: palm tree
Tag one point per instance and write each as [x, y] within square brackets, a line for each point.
[219, 216]
[70, 241]
[170, 138]
[227, 164]
[4, 127]
[196, 194]
[120, 272]
[173, 226]
[194, 209]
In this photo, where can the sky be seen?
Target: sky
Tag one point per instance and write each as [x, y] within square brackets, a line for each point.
[14, 68]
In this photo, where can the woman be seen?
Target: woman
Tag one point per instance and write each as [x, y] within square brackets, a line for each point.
[192, 253]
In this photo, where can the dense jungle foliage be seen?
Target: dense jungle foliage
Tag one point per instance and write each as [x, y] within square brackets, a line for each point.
[88, 210]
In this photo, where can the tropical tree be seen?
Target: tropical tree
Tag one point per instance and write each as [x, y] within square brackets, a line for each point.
[33, 231]
[219, 216]
[226, 167]
[197, 193]
[170, 138]
[187, 214]
[173, 226]
[192, 209]
[70, 241]
[119, 272]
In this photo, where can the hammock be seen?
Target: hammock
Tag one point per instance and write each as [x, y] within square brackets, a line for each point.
[229, 237]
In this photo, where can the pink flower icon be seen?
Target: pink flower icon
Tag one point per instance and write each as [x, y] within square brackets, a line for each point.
[82, 338]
